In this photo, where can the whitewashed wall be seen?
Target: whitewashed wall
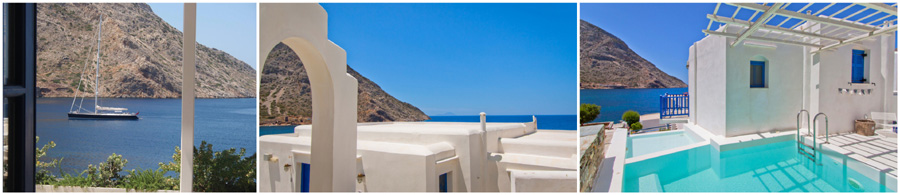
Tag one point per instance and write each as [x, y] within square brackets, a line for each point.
[723, 102]
[774, 107]
[833, 71]
[707, 84]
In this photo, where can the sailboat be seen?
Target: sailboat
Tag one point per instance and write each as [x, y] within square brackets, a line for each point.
[99, 112]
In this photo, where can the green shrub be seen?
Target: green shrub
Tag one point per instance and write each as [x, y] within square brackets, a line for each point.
[106, 174]
[636, 126]
[148, 180]
[81, 180]
[224, 171]
[588, 112]
[43, 176]
[631, 117]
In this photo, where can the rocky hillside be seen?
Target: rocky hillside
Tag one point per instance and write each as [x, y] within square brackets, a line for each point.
[285, 95]
[140, 55]
[608, 63]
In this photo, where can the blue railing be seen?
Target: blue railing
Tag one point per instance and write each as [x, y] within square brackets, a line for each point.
[673, 105]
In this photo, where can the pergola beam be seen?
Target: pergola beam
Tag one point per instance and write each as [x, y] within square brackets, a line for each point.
[762, 39]
[759, 22]
[811, 18]
[768, 27]
[888, 29]
[881, 7]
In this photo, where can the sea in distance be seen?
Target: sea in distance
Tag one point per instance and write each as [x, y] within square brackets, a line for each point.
[614, 102]
[224, 123]
[548, 122]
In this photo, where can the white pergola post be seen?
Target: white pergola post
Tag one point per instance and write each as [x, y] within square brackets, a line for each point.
[188, 68]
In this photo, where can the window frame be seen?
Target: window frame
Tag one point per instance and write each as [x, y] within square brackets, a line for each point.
[19, 94]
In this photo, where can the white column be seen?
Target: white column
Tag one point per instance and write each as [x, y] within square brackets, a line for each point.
[188, 67]
[886, 73]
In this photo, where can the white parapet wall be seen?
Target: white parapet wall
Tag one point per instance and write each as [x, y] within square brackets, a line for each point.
[610, 175]
[543, 181]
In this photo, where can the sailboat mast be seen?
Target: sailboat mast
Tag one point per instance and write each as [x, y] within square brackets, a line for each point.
[97, 86]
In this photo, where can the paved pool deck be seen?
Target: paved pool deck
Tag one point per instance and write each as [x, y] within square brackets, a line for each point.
[878, 151]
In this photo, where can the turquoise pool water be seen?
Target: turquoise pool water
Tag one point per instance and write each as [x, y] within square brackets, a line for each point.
[649, 143]
[775, 167]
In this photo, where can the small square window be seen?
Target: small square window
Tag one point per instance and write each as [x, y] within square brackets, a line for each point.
[757, 74]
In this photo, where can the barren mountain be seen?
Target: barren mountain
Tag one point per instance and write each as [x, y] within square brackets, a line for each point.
[140, 55]
[285, 94]
[607, 62]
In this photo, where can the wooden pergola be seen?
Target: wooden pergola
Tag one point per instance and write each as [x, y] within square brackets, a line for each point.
[821, 26]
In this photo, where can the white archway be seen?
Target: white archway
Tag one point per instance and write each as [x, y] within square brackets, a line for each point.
[304, 28]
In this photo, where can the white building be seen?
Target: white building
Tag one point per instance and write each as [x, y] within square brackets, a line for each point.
[434, 157]
[751, 77]
[336, 154]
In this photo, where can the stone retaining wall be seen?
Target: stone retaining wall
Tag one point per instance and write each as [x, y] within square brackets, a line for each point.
[591, 161]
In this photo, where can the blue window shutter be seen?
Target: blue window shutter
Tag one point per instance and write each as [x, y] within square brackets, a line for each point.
[858, 66]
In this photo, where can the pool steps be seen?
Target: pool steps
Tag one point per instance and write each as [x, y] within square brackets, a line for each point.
[652, 183]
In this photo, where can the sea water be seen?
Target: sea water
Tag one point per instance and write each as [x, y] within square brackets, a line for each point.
[224, 123]
[549, 122]
[614, 102]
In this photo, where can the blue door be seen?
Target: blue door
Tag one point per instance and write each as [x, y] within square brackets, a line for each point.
[443, 183]
[858, 67]
[304, 177]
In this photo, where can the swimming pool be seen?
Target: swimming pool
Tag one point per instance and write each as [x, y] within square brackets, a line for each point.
[775, 167]
[654, 142]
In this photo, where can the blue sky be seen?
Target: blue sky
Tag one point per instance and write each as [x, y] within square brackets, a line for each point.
[230, 27]
[502, 59]
[662, 33]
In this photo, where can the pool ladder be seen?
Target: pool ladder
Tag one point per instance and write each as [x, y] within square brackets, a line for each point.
[801, 146]
[800, 141]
